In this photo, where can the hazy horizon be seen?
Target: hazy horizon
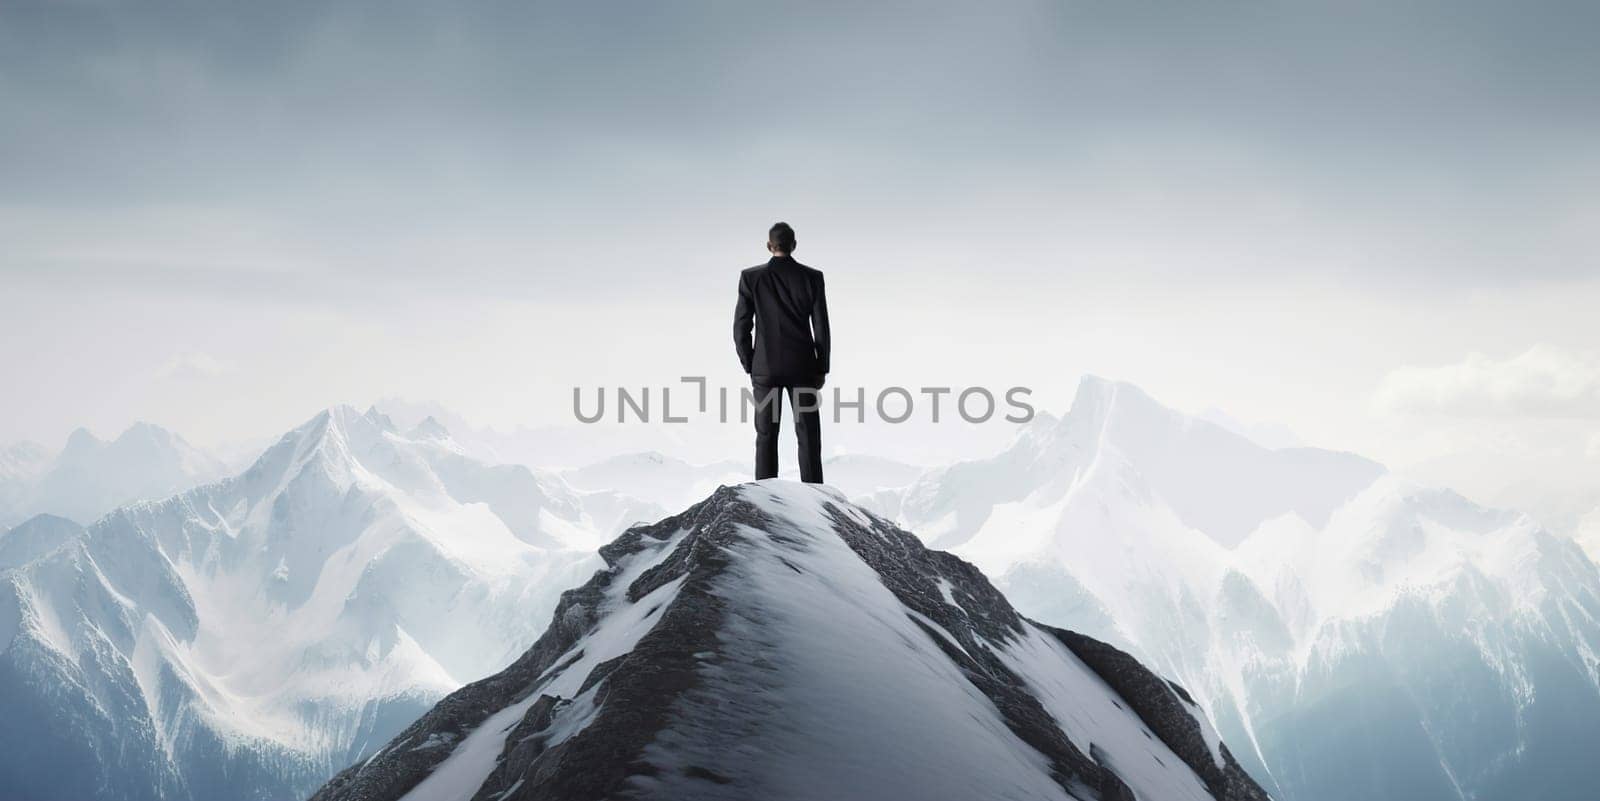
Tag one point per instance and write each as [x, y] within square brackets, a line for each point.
[1372, 225]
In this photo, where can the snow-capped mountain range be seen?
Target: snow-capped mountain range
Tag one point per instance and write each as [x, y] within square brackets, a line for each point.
[89, 476]
[1354, 635]
[673, 483]
[777, 642]
[246, 638]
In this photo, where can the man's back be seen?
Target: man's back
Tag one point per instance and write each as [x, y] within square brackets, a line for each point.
[780, 328]
[785, 303]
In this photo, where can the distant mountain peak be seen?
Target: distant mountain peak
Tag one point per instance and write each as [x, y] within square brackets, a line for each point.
[1091, 384]
[1118, 437]
[1097, 399]
[429, 428]
[380, 419]
[331, 438]
[1297, 591]
[346, 420]
[34, 538]
[140, 428]
[82, 439]
[90, 476]
[241, 637]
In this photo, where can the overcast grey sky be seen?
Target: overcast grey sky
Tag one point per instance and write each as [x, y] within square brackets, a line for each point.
[1357, 219]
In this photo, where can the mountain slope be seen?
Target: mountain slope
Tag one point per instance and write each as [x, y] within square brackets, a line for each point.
[775, 641]
[21, 465]
[248, 637]
[1352, 634]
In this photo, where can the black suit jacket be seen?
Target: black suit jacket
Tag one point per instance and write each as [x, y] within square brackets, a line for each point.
[784, 303]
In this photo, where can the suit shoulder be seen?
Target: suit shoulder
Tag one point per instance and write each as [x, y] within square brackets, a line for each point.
[810, 272]
[751, 272]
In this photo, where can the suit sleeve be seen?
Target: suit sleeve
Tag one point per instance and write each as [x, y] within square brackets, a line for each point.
[819, 326]
[744, 315]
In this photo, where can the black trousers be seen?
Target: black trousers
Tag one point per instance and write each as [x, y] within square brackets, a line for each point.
[804, 398]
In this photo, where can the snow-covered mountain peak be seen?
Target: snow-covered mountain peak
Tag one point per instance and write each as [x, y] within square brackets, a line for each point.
[1289, 588]
[322, 444]
[775, 641]
[345, 445]
[149, 433]
[270, 626]
[1097, 399]
[1213, 480]
[1106, 412]
[381, 420]
[429, 428]
[34, 538]
[1396, 540]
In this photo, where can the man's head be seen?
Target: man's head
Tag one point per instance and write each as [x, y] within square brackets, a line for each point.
[780, 239]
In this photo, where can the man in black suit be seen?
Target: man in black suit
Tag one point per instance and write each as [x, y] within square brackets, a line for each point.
[783, 302]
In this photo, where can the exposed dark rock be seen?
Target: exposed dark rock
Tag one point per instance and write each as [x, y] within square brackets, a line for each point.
[1166, 708]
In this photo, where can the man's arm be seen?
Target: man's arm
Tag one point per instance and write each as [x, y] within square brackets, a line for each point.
[744, 315]
[819, 325]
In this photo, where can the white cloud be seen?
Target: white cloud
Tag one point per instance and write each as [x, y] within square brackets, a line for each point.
[1542, 382]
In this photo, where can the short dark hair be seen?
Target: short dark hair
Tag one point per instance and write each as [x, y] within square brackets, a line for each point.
[781, 237]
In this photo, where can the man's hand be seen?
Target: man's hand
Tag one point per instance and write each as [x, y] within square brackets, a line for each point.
[744, 323]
